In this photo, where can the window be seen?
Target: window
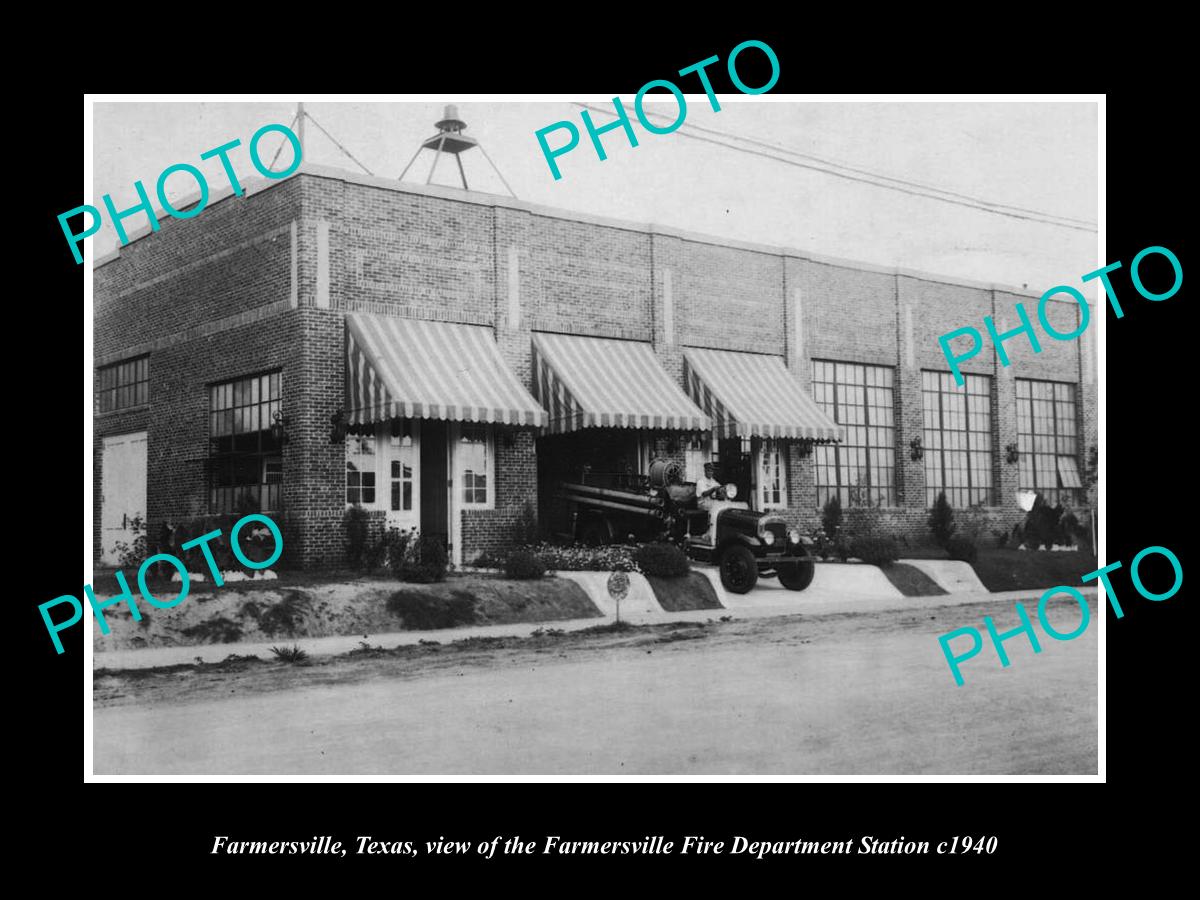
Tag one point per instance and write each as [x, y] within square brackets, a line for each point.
[772, 479]
[125, 384]
[401, 473]
[1047, 437]
[861, 470]
[697, 452]
[474, 463]
[957, 438]
[360, 469]
[245, 457]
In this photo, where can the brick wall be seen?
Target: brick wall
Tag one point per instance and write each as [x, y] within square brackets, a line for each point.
[264, 282]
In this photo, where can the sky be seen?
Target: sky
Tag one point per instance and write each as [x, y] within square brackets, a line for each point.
[1039, 156]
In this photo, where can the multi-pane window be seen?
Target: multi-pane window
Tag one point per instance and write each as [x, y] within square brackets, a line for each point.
[861, 470]
[125, 384]
[360, 469]
[958, 439]
[772, 478]
[695, 455]
[401, 473]
[245, 455]
[1047, 437]
[473, 463]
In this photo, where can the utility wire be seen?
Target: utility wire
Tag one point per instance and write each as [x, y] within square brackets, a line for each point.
[874, 179]
[880, 175]
[339, 146]
[283, 140]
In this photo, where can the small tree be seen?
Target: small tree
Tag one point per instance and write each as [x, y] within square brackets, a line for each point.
[831, 518]
[526, 526]
[355, 523]
[941, 521]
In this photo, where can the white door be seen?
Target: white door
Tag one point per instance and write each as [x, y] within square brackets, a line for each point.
[123, 476]
[401, 477]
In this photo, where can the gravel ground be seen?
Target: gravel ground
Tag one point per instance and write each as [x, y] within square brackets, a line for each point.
[866, 693]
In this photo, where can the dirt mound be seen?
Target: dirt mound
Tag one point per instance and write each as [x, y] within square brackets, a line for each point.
[230, 614]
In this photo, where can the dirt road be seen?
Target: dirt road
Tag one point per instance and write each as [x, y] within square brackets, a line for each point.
[837, 694]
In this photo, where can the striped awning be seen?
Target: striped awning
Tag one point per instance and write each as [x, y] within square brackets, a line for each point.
[411, 369]
[751, 395]
[588, 382]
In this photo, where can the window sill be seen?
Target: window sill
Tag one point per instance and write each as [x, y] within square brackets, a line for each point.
[124, 409]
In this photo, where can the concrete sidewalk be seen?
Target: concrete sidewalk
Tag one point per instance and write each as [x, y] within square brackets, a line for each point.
[766, 601]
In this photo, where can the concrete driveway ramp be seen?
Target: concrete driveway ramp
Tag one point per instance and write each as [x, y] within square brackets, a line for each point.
[832, 581]
[639, 603]
[950, 574]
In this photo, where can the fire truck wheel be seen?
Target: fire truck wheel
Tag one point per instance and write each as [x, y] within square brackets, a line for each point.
[797, 577]
[739, 569]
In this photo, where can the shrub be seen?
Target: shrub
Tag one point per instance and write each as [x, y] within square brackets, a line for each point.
[962, 548]
[877, 551]
[972, 523]
[1072, 532]
[283, 617]
[356, 524]
[395, 543]
[289, 654]
[218, 630]
[581, 558]
[825, 548]
[941, 521]
[663, 560]
[130, 556]
[1042, 525]
[526, 527]
[831, 519]
[424, 612]
[488, 560]
[424, 560]
[386, 550]
[521, 565]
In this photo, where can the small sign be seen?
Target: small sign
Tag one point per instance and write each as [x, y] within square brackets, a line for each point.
[618, 585]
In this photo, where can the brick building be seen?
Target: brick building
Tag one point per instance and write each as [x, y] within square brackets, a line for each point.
[478, 347]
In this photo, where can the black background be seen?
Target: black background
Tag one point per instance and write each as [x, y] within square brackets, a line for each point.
[1149, 488]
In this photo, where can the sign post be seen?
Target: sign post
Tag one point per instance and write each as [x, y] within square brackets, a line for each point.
[618, 589]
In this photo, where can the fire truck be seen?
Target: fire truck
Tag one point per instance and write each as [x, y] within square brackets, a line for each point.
[744, 544]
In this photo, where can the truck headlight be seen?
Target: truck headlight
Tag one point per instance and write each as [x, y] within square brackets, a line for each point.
[768, 538]
[794, 535]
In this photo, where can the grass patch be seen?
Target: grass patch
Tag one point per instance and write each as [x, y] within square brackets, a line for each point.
[1019, 570]
[282, 618]
[692, 591]
[609, 628]
[290, 654]
[425, 611]
[489, 601]
[219, 630]
[912, 582]
[1009, 569]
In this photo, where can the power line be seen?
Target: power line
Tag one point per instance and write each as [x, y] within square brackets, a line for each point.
[880, 175]
[308, 115]
[874, 179]
[283, 140]
[916, 184]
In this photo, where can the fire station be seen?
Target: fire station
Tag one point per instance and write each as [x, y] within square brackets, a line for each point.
[443, 357]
